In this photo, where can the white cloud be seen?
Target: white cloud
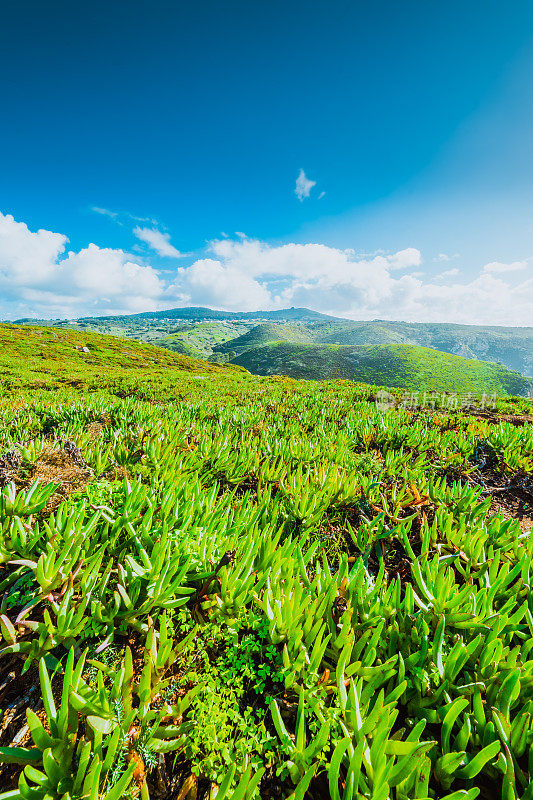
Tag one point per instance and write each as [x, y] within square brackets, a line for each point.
[208, 282]
[26, 256]
[339, 282]
[498, 266]
[303, 186]
[446, 257]
[311, 262]
[158, 241]
[449, 273]
[110, 273]
[410, 257]
[38, 277]
[105, 212]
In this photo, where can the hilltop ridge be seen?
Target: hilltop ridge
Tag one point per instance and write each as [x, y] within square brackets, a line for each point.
[396, 365]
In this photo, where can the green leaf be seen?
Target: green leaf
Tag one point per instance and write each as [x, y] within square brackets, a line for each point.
[20, 755]
[116, 792]
[101, 725]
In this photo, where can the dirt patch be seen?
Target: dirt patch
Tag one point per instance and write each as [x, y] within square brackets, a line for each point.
[9, 465]
[17, 693]
[491, 416]
[61, 466]
[512, 497]
[95, 431]
[117, 474]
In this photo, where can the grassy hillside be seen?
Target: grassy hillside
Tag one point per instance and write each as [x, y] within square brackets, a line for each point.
[53, 357]
[215, 584]
[200, 339]
[404, 366]
[178, 344]
[263, 334]
[205, 329]
[510, 346]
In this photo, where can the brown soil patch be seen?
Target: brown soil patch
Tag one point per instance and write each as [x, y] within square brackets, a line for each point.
[494, 418]
[510, 496]
[117, 474]
[95, 431]
[57, 466]
[17, 693]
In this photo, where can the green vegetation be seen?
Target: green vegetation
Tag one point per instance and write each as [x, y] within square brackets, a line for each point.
[201, 339]
[286, 315]
[51, 358]
[266, 333]
[202, 332]
[512, 347]
[220, 584]
[404, 366]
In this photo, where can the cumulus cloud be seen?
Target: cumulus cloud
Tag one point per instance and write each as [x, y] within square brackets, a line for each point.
[209, 282]
[39, 277]
[410, 257]
[498, 266]
[157, 241]
[340, 282]
[303, 186]
[27, 257]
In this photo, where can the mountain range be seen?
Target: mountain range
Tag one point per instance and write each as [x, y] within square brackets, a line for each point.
[325, 346]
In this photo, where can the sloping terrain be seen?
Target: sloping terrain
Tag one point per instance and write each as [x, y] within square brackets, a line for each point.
[205, 329]
[512, 347]
[404, 366]
[262, 334]
[250, 587]
[201, 339]
[50, 357]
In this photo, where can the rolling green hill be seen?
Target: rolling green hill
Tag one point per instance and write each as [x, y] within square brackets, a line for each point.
[262, 334]
[200, 339]
[201, 313]
[53, 357]
[403, 366]
[510, 346]
[208, 333]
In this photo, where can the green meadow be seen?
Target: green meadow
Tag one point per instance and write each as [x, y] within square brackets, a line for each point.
[217, 584]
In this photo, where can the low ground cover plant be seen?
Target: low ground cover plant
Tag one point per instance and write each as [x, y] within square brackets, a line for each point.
[264, 588]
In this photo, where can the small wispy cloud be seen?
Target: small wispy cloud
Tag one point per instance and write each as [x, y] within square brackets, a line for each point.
[157, 241]
[446, 257]
[303, 186]
[105, 212]
[499, 266]
[123, 217]
[449, 273]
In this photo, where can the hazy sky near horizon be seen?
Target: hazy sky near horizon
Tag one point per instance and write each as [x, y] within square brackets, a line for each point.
[366, 159]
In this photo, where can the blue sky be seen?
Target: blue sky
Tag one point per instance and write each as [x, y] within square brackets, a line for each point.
[186, 126]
